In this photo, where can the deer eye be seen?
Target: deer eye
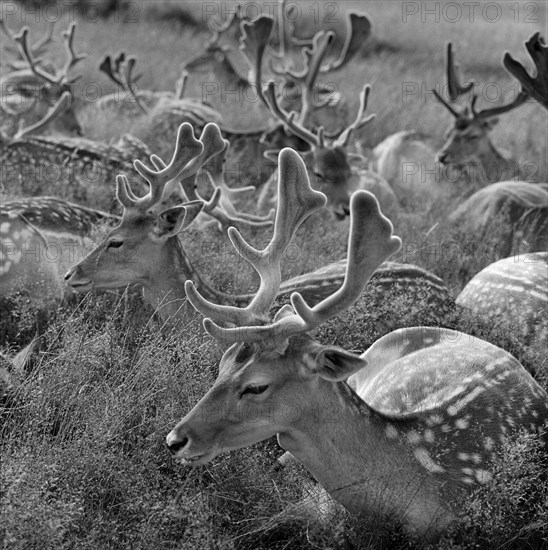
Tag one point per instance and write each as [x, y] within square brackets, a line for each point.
[255, 390]
[114, 244]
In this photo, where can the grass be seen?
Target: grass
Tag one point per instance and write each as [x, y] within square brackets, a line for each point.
[83, 457]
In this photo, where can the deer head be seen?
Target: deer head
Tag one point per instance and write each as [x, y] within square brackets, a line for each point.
[145, 248]
[467, 141]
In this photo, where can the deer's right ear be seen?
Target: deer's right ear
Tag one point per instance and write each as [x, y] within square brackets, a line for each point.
[169, 223]
[333, 363]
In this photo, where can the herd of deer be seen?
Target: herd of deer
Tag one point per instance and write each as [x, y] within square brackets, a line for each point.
[421, 414]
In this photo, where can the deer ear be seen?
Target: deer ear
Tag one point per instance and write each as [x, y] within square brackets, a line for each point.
[335, 364]
[169, 223]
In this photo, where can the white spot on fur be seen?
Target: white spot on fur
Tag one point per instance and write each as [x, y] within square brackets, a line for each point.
[426, 460]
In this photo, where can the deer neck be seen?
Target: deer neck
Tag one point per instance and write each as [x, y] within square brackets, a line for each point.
[165, 289]
[348, 450]
[494, 166]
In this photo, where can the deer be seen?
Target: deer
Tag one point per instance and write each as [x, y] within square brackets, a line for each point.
[535, 86]
[45, 87]
[401, 432]
[327, 157]
[41, 238]
[145, 248]
[78, 168]
[515, 212]
[467, 145]
[514, 292]
[157, 105]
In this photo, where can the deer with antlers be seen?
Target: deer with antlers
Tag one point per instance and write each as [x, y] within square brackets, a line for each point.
[77, 168]
[467, 144]
[413, 423]
[145, 249]
[327, 158]
[41, 238]
[44, 87]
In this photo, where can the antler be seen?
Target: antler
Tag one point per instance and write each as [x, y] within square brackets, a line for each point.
[360, 120]
[358, 30]
[187, 147]
[370, 243]
[120, 71]
[60, 78]
[456, 89]
[38, 47]
[537, 85]
[297, 200]
[62, 105]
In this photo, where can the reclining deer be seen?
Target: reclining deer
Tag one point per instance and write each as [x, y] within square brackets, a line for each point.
[412, 424]
[468, 147]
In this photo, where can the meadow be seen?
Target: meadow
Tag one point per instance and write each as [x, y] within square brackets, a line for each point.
[84, 462]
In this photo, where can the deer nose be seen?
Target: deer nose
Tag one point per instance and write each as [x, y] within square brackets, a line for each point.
[175, 443]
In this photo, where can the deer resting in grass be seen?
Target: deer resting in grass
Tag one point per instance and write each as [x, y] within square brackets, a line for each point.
[513, 292]
[468, 146]
[41, 238]
[413, 423]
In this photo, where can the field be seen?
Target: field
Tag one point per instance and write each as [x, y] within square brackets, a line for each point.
[84, 462]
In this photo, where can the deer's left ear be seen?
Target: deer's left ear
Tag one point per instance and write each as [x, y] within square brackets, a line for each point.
[333, 363]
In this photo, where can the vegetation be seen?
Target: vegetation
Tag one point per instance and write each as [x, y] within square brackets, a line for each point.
[84, 463]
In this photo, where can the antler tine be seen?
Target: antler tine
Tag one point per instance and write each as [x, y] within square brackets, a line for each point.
[289, 118]
[455, 113]
[360, 120]
[520, 99]
[22, 41]
[358, 30]
[180, 85]
[253, 42]
[124, 194]
[107, 67]
[129, 83]
[213, 144]
[296, 201]
[187, 147]
[72, 57]
[61, 105]
[456, 89]
[537, 84]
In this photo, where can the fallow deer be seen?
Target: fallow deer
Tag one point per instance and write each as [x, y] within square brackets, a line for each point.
[403, 432]
[511, 216]
[468, 147]
[77, 168]
[513, 292]
[41, 238]
[29, 92]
